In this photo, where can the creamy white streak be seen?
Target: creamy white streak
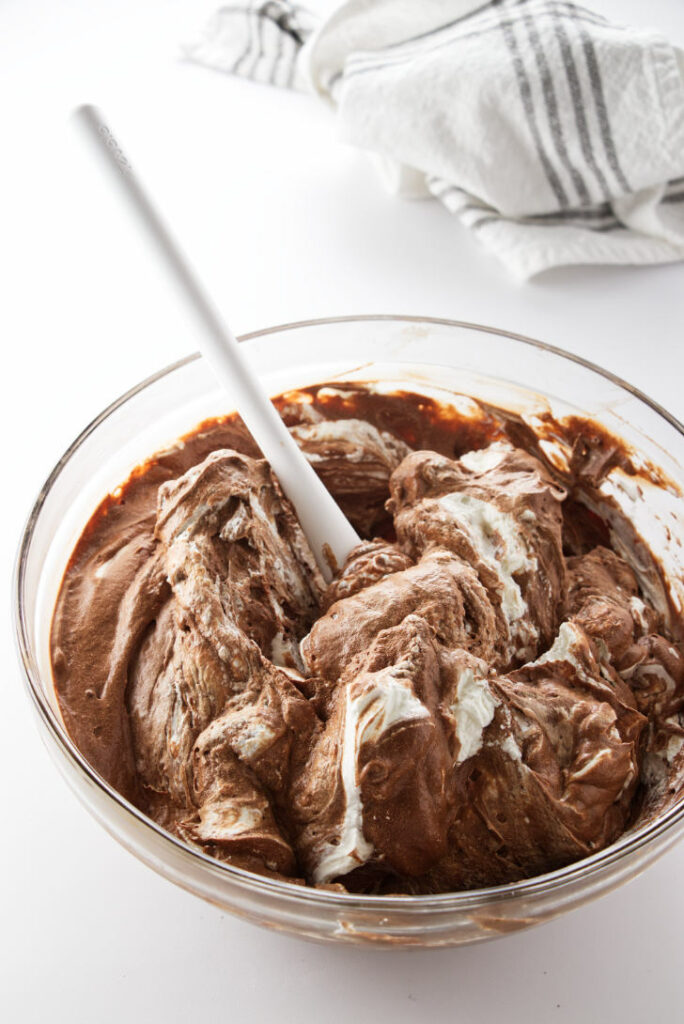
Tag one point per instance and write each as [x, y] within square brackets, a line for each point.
[495, 536]
[472, 712]
[484, 459]
[386, 700]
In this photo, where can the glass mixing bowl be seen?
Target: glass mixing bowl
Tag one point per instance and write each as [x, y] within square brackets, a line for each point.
[444, 359]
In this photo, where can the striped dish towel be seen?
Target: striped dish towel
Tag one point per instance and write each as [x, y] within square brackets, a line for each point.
[553, 135]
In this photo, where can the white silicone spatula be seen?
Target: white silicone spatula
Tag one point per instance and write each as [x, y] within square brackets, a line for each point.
[330, 534]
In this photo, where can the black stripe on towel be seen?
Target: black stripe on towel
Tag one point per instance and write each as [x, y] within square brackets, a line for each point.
[552, 111]
[578, 104]
[596, 80]
[530, 115]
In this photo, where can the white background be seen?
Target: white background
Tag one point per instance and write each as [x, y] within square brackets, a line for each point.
[285, 223]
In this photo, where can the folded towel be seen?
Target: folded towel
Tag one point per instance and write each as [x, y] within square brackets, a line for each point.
[553, 135]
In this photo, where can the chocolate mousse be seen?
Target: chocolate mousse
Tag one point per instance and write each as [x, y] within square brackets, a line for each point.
[490, 688]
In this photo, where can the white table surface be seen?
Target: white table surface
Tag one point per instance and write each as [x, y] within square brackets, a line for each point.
[285, 224]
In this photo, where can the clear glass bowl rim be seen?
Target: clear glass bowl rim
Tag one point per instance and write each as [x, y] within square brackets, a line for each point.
[540, 885]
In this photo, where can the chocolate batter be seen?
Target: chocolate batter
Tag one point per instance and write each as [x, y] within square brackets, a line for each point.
[482, 694]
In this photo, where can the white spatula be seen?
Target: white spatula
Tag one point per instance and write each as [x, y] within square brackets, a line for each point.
[330, 534]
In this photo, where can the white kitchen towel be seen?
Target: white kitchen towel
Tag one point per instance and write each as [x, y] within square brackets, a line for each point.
[553, 135]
